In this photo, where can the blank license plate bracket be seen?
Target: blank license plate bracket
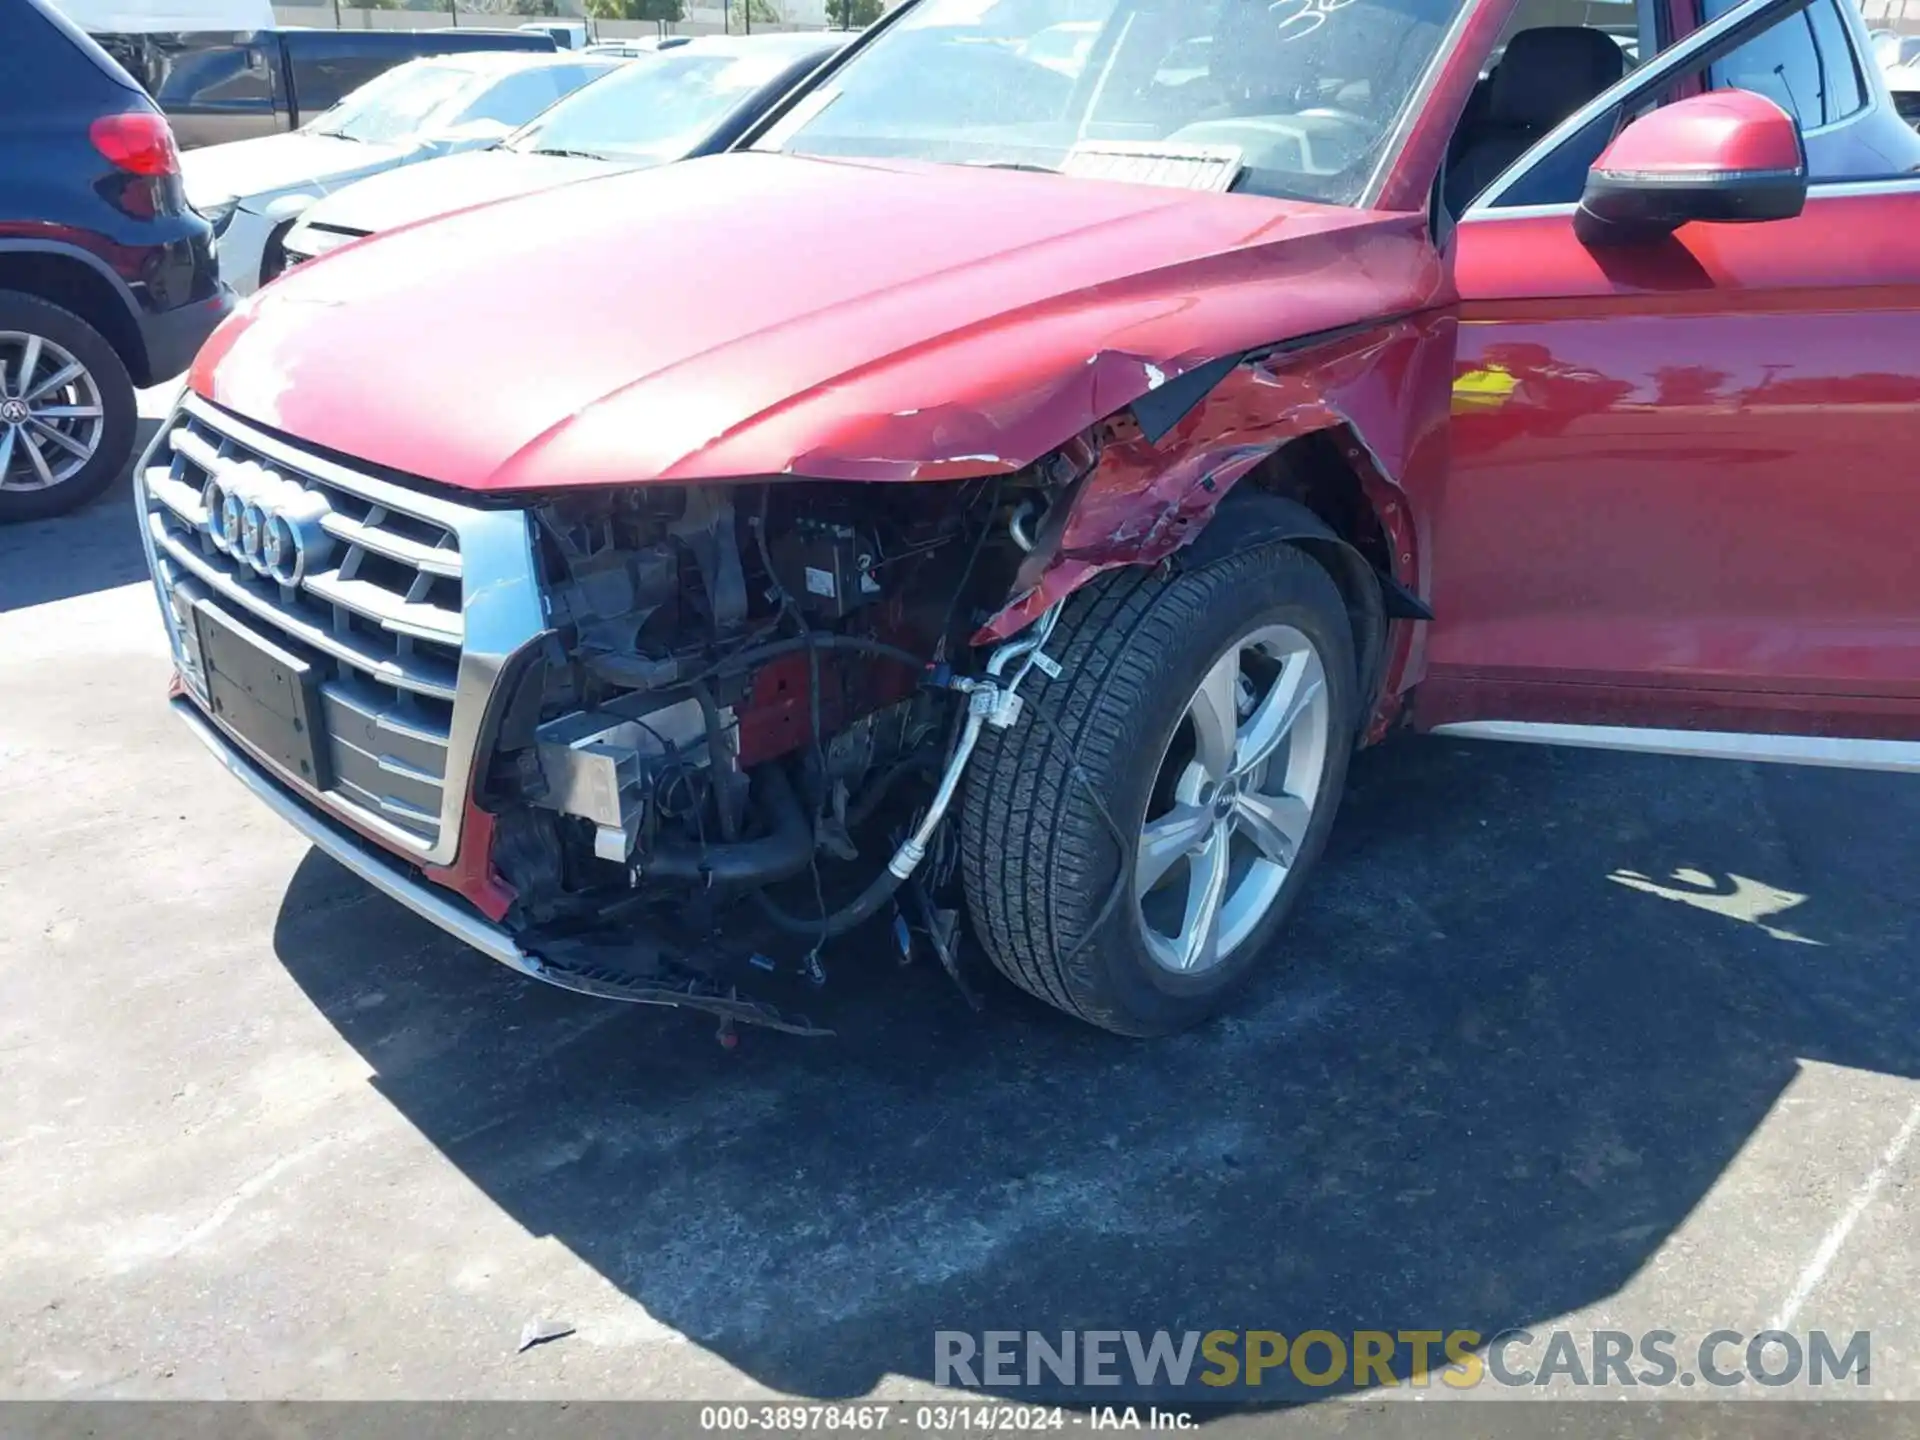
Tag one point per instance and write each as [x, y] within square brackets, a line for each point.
[267, 695]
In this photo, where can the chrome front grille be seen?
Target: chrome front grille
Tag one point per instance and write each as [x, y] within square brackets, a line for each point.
[408, 603]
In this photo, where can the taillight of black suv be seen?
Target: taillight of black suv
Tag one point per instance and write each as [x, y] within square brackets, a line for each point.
[107, 276]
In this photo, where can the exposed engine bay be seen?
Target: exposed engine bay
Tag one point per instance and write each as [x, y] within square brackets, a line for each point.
[747, 721]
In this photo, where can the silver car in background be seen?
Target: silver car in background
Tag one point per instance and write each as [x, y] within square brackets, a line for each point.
[695, 98]
[253, 190]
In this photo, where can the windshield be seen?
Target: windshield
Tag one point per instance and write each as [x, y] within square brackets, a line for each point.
[1292, 98]
[655, 109]
[393, 106]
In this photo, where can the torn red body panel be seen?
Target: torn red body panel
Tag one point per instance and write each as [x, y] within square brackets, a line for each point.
[472, 873]
[985, 317]
[1381, 390]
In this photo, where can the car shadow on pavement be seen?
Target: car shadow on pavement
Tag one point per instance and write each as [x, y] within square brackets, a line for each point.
[97, 547]
[1490, 1083]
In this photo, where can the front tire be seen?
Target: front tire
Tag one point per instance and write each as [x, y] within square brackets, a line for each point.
[1211, 714]
[67, 412]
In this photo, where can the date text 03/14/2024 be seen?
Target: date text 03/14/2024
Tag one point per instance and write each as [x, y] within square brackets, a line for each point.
[987, 1419]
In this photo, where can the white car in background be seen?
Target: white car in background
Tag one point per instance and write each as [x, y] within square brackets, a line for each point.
[253, 190]
[1892, 50]
[1903, 83]
[692, 99]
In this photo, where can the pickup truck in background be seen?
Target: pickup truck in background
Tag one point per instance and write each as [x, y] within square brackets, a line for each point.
[220, 70]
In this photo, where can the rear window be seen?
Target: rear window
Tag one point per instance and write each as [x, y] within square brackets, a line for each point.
[46, 63]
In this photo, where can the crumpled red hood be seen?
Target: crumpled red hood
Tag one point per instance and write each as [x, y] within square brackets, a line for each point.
[755, 315]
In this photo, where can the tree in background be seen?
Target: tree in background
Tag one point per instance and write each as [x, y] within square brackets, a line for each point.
[661, 12]
[745, 14]
[852, 14]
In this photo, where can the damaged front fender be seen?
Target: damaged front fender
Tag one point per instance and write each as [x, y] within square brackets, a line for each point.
[1379, 391]
[1378, 395]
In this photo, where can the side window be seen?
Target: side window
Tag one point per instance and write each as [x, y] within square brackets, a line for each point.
[1804, 62]
[1552, 59]
[1561, 174]
[1804, 65]
[221, 75]
[324, 75]
[1846, 92]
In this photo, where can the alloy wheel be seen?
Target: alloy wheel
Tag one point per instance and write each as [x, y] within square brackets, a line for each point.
[51, 416]
[1232, 799]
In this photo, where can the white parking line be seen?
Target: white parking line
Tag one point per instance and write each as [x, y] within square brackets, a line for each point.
[1831, 1242]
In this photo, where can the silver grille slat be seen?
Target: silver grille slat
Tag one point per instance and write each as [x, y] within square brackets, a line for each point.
[410, 617]
[431, 558]
[393, 612]
[422, 822]
[398, 783]
[178, 496]
[380, 668]
[382, 729]
[185, 442]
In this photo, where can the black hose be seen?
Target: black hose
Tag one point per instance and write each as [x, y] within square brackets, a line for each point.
[779, 856]
[863, 907]
[876, 793]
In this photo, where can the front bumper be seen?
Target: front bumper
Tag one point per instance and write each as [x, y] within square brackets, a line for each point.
[242, 248]
[372, 864]
[399, 881]
[392, 800]
[308, 241]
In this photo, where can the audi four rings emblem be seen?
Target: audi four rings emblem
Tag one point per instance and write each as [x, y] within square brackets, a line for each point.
[270, 523]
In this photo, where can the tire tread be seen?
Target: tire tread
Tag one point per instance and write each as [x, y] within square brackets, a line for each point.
[1037, 859]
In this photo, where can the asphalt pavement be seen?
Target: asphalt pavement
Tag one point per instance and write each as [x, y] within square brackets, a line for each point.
[1560, 1039]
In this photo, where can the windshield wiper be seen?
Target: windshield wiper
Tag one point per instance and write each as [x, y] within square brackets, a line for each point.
[569, 154]
[1012, 165]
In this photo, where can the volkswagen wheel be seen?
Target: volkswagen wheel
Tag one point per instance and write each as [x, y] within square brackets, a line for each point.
[66, 410]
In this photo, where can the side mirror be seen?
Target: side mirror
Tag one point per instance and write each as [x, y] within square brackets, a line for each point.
[1729, 155]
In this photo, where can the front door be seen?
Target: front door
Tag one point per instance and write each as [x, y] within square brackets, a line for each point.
[1685, 483]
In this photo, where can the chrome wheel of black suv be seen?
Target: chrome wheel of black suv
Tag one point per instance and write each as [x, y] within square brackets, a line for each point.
[66, 410]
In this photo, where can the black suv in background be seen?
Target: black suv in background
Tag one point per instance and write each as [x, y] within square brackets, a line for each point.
[107, 279]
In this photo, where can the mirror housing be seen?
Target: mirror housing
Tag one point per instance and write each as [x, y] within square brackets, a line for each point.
[1725, 156]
